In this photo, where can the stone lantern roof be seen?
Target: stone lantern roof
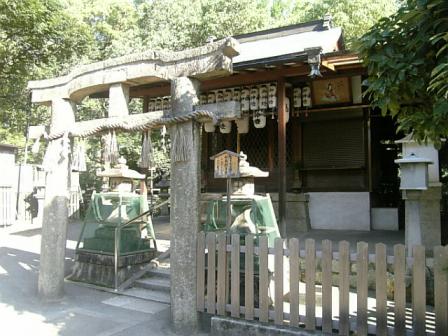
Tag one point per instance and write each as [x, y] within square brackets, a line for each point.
[121, 170]
[246, 170]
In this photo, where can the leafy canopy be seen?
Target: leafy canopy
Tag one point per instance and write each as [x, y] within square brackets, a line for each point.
[407, 61]
[38, 38]
[355, 17]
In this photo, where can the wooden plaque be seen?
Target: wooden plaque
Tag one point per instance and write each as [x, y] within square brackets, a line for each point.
[331, 91]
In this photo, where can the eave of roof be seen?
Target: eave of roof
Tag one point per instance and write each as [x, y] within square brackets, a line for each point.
[298, 28]
[280, 46]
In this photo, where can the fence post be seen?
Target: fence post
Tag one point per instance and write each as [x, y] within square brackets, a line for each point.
[362, 268]
[211, 273]
[200, 269]
[381, 289]
[278, 272]
[327, 285]
[222, 274]
[264, 280]
[400, 289]
[344, 287]
[419, 290]
[235, 276]
[441, 289]
[249, 278]
[310, 277]
[294, 279]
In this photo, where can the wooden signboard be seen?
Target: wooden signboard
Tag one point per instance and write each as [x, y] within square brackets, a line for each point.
[226, 164]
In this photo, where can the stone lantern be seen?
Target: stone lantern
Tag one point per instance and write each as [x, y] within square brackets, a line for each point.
[421, 191]
[414, 172]
[414, 181]
[245, 184]
[121, 178]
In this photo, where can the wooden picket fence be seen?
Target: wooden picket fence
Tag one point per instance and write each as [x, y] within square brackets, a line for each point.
[229, 282]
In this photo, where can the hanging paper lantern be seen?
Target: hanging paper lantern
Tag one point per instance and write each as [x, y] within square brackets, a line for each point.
[263, 92]
[272, 96]
[306, 96]
[211, 97]
[209, 127]
[228, 95]
[242, 125]
[169, 103]
[225, 126]
[151, 105]
[297, 97]
[245, 99]
[259, 120]
[159, 104]
[219, 96]
[254, 98]
[203, 99]
[166, 104]
[236, 94]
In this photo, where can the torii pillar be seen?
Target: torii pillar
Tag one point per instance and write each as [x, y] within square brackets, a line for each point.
[184, 219]
[55, 217]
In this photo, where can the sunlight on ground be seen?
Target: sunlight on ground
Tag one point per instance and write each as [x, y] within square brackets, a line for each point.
[13, 323]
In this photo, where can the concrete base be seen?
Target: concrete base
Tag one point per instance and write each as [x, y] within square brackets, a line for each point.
[385, 219]
[223, 326]
[99, 270]
[297, 214]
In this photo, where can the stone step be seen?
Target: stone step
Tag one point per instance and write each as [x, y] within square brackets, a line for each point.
[148, 294]
[154, 282]
[161, 272]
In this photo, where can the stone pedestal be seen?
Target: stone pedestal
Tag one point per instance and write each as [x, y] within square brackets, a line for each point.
[55, 217]
[422, 216]
[185, 196]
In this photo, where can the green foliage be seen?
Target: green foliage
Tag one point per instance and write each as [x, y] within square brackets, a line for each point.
[354, 16]
[38, 38]
[36, 33]
[111, 23]
[180, 24]
[407, 60]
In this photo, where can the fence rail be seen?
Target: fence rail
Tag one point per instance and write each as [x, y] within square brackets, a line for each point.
[299, 286]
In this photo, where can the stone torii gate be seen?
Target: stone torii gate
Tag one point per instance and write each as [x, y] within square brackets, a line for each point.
[184, 70]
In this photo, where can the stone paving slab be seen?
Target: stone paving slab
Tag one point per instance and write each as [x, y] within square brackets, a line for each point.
[140, 305]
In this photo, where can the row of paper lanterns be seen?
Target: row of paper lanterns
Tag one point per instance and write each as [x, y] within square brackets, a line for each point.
[258, 101]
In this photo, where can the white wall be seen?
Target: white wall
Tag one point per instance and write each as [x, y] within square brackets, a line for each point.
[340, 210]
[7, 168]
